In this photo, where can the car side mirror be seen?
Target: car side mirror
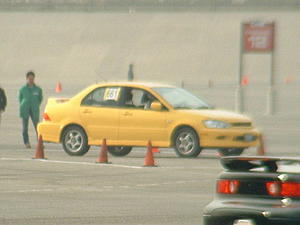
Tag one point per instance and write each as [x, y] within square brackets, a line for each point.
[156, 106]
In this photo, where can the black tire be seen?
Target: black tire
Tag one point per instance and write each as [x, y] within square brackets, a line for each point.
[119, 150]
[74, 141]
[186, 143]
[230, 151]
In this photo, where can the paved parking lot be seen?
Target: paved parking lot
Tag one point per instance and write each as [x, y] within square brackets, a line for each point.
[76, 190]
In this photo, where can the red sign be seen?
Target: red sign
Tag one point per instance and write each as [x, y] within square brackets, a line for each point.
[258, 37]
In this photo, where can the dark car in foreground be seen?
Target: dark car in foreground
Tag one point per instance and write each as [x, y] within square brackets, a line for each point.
[256, 191]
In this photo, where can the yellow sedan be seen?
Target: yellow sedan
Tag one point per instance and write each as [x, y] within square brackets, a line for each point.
[129, 114]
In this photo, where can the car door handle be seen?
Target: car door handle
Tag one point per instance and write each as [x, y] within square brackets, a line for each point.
[127, 114]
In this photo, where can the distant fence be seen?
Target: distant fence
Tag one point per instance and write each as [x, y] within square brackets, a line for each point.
[98, 5]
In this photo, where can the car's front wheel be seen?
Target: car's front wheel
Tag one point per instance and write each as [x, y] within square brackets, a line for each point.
[119, 150]
[74, 141]
[186, 143]
[230, 151]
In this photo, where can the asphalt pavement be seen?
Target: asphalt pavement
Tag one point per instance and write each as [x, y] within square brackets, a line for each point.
[76, 190]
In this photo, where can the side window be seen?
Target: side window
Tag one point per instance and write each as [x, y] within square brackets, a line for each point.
[137, 98]
[147, 100]
[106, 96]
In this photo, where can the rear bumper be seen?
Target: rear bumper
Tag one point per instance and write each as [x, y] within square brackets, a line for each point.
[50, 132]
[219, 214]
[229, 138]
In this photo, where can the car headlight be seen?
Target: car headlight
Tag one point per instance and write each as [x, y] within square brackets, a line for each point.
[216, 124]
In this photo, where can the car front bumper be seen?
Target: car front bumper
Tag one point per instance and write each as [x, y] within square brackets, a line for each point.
[229, 138]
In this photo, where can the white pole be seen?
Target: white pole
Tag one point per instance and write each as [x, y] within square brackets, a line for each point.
[271, 94]
[239, 95]
[271, 90]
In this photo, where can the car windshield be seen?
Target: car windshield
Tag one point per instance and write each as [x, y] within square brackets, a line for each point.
[181, 99]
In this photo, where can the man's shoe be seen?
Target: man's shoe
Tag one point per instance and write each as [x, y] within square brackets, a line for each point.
[27, 145]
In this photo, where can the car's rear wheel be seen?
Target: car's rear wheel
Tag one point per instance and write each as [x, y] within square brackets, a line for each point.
[230, 151]
[186, 143]
[119, 150]
[74, 141]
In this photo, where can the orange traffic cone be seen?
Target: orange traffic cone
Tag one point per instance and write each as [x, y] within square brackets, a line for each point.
[39, 152]
[149, 160]
[245, 81]
[58, 87]
[261, 146]
[155, 150]
[103, 153]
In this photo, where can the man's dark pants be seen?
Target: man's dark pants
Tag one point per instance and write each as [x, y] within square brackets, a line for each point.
[25, 127]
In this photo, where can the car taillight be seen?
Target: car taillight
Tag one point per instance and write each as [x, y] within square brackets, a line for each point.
[46, 117]
[287, 189]
[228, 186]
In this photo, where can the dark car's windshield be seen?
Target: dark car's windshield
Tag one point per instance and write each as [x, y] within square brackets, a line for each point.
[181, 99]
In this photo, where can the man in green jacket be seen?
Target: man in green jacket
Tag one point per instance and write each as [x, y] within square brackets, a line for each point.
[30, 99]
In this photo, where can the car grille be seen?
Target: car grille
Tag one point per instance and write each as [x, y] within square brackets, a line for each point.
[242, 124]
[246, 137]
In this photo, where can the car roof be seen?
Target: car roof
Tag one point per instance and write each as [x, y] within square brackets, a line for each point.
[134, 84]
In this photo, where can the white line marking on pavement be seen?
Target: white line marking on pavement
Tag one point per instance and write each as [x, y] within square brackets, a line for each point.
[94, 164]
[108, 165]
[72, 162]
[15, 159]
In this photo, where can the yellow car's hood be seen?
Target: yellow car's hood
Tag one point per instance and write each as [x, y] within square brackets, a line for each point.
[223, 115]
